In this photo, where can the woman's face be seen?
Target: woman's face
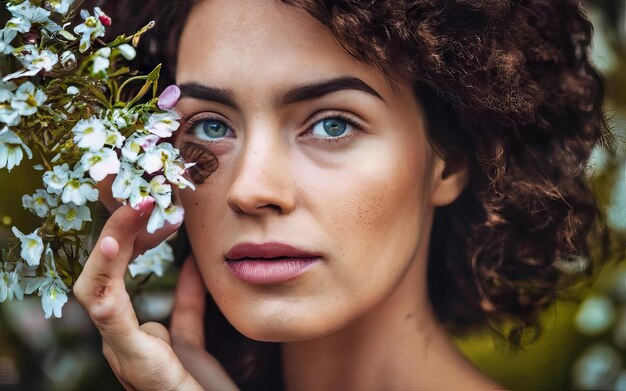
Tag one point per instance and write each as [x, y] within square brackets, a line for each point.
[316, 151]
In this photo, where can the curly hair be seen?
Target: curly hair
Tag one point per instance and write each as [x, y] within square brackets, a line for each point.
[508, 87]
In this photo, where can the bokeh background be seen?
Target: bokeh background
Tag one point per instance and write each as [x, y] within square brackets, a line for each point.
[582, 344]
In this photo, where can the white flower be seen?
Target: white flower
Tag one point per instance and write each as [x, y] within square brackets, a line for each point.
[61, 6]
[135, 143]
[163, 124]
[114, 138]
[101, 62]
[172, 214]
[56, 179]
[8, 115]
[127, 51]
[32, 246]
[52, 290]
[71, 216]
[175, 173]
[128, 179]
[39, 203]
[68, 59]
[156, 158]
[90, 134]
[89, 30]
[152, 261]
[161, 191]
[72, 90]
[9, 32]
[118, 118]
[34, 15]
[4, 286]
[101, 163]
[79, 190]
[6, 91]
[28, 99]
[140, 192]
[33, 60]
[12, 149]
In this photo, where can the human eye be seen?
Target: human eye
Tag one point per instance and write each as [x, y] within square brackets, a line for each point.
[334, 127]
[209, 128]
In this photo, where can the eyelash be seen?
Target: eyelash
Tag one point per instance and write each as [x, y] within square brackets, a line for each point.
[191, 120]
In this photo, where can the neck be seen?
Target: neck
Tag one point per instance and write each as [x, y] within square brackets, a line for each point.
[396, 345]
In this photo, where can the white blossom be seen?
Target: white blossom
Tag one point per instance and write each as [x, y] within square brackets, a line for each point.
[14, 26]
[6, 91]
[90, 134]
[72, 90]
[68, 59]
[61, 6]
[27, 99]
[8, 115]
[127, 51]
[152, 261]
[39, 203]
[163, 124]
[155, 159]
[33, 60]
[140, 192]
[161, 191]
[34, 15]
[101, 62]
[71, 216]
[52, 289]
[101, 163]
[78, 189]
[90, 29]
[136, 143]
[12, 149]
[129, 178]
[56, 179]
[175, 173]
[172, 214]
[32, 246]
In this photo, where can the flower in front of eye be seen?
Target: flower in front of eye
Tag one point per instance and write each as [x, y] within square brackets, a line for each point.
[28, 99]
[100, 163]
[163, 124]
[169, 97]
[71, 216]
[12, 149]
[128, 179]
[90, 134]
[78, 189]
[32, 246]
[136, 143]
[39, 203]
[101, 62]
[154, 261]
[33, 60]
[172, 214]
[155, 159]
[56, 179]
[60, 6]
[161, 191]
[175, 174]
[90, 29]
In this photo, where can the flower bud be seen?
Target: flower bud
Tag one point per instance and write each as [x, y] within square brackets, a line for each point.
[169, 97]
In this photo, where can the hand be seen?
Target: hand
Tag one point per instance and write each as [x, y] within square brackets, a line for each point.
[187, 330]
[141, 356]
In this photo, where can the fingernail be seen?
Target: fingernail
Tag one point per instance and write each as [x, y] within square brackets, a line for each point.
[109, 247]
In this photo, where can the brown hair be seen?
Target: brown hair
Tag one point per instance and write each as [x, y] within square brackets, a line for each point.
[507, 86]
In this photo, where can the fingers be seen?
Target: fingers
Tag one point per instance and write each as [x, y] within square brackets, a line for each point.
[100, 288]
[145, 241]
[187, 324]
[106, 195]
[156, 330]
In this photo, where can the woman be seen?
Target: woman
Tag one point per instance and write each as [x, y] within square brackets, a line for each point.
[384, 169]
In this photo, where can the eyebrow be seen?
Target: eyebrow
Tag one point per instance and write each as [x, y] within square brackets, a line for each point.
[298, 94]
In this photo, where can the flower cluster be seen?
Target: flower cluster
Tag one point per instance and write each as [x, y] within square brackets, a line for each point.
[69, 99]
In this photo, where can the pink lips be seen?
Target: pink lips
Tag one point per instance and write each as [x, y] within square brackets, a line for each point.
[268, 263]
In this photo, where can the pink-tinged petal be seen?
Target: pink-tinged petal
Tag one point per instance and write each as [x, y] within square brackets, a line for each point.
[169, 97]
[161, 130]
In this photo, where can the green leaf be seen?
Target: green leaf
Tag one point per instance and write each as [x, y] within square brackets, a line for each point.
[67, 35]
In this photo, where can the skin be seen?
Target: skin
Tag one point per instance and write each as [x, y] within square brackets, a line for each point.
[361, 318]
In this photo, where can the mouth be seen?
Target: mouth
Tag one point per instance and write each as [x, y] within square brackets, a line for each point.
[269, 263]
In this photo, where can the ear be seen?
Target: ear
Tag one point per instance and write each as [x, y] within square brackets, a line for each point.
[450, 178]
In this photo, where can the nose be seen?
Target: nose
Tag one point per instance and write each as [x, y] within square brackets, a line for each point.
[262, 181]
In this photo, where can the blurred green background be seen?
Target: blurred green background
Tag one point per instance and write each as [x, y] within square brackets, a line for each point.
[583, 340]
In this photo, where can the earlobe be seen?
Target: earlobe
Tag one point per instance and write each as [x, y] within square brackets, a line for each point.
[449, 180]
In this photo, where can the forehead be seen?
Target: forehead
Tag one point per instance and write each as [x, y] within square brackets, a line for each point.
[262, 42]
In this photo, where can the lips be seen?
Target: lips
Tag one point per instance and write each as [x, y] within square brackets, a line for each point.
[269, 263]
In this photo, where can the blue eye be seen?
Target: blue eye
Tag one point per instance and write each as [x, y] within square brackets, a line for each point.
[210, 129]
[331, 127]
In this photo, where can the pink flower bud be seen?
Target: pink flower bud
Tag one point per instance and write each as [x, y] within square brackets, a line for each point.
[169, 97]
[105, 20]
